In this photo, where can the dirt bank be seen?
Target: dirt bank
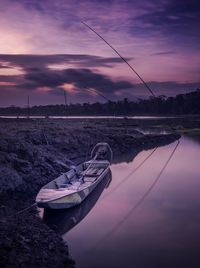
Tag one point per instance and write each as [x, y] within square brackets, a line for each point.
[33, 152]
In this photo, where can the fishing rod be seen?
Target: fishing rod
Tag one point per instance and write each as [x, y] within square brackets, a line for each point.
[123, 59]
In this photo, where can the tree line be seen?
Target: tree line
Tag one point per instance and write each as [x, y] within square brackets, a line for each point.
[188, 103]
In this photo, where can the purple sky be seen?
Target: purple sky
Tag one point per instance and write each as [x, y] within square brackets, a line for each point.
[45, 49]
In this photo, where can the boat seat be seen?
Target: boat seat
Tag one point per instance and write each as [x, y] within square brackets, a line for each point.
[94, 172]
[100, 171]
[90, 179]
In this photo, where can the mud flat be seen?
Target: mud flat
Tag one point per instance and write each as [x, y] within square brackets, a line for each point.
[33, 152]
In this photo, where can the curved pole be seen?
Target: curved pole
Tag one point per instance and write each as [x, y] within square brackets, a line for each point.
[146, 85]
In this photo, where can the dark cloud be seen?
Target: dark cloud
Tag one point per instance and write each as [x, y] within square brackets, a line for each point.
[80, 78]
[84, 79]
[43, 61]
[172, 13]
[38, 74]
[11, 78]
[163, 53]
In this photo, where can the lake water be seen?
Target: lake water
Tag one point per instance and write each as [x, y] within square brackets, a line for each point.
[85, 117]
[138, 221]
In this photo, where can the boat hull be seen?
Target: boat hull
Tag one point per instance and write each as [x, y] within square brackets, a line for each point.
[73, 199]
[64, 220]
[65, 202]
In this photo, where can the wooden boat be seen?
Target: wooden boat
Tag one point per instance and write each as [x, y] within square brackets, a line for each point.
[63, 220]
[72, 187]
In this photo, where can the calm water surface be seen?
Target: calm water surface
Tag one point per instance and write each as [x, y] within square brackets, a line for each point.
[85, 117]
[124, 229]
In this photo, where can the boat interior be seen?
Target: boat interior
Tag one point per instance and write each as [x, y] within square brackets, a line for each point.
[79, 177]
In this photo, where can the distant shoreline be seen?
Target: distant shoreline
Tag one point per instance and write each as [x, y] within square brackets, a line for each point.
[182, 104]
[95, 117]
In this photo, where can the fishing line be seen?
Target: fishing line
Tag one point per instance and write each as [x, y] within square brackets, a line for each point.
[129, 175]
[146, 85]
[141, 200]
[92, 90]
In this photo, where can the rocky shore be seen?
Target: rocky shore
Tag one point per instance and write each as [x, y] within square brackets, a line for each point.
[33, 152]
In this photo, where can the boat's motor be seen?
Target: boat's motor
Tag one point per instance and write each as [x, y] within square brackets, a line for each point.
[102, 151]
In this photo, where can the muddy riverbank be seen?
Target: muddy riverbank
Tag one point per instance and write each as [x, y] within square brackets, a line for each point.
[33, 152]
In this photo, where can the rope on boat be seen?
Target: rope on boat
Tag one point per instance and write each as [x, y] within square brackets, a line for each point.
[141, 200]
[22, 210]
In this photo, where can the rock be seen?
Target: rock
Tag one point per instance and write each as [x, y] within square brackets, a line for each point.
[9, 179]
[51, 246]
[21, 165]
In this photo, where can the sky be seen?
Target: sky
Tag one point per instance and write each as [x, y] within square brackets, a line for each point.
[46, 50]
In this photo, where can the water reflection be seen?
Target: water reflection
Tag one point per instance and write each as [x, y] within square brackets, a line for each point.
[162, 232]
[64, 220]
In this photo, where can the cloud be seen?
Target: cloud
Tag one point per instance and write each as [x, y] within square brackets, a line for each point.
[46, 87]
[163, 53]
[2, 66]
[58, 45]
[40, 71]
[11, 78]
[177, 19]
[80, 78]
[43, 61]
